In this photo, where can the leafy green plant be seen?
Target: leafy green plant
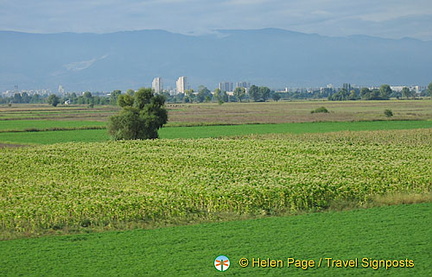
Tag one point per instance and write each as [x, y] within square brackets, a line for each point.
[388, 113]
[320, 110]
[141, 116]
[183, 180]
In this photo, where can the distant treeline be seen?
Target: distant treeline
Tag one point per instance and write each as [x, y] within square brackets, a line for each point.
[69, 98]
[251, 94]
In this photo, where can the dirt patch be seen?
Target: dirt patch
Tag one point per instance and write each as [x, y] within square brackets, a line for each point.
[6, 145]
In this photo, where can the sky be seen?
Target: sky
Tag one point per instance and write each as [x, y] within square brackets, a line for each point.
[382, 18]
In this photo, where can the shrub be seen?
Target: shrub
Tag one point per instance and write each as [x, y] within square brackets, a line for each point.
[320, 110]
[388, 113]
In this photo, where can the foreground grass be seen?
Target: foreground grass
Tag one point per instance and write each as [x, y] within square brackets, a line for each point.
[43, 190]
[50, 137]
[385, 233]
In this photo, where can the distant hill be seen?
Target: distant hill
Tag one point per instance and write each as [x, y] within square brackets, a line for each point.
[271, 57]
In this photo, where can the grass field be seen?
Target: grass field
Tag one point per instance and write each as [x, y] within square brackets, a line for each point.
[22, 125]
[194, 132]
[390, 233]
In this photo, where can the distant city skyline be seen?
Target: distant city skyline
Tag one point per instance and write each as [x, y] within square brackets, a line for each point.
[386, 18]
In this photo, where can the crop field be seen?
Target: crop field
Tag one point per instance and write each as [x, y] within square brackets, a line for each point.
[239, 113]
[393, 232]
[111, 184]
[45, 112]
[255, 180]
[283, 112]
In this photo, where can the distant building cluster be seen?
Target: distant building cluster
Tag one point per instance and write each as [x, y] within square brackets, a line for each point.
[416, 89]
[182, 86]
[11, 93]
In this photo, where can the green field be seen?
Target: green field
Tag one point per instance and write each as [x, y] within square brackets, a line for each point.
[194, 132]
[22, 125]
[385, 233]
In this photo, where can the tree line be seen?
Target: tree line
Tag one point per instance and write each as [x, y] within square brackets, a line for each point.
[384, 92]
[240, 94]
[69, 98]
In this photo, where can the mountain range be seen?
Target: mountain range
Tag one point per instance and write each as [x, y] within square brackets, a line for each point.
[270, 57]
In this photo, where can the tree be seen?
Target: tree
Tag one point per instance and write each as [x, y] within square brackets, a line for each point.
[141, 116]
[53, 100]
[203, 94]
[17, 98]
[430, 89]
[88, 98]
[339, 96]
[113, 96]
[217, 94]
[25, 97]
[406, 92]
[254, 93]
[125, 100]
[240, 93]
[375, 95]
[352, 95]
[264, 93]
[276, 97]
[384, 92]
[190, 95]
[365, 93]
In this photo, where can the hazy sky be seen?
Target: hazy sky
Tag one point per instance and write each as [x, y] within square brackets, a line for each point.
[384, 18]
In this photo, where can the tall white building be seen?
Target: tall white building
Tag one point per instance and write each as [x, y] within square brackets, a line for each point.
[61, 90]
[181, 84]
[157, 85]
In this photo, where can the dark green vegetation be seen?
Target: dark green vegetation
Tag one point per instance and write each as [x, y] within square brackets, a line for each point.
[53, 100]
[388, 113]
[320, 110]
[142, 115]
[393, 232]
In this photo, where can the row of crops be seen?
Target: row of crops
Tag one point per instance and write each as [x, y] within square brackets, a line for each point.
[101, 184]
